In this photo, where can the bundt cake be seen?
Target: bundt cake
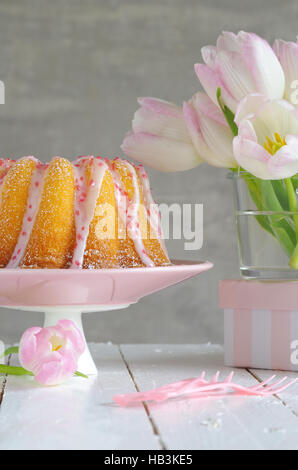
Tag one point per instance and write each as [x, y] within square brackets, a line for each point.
[92, 213]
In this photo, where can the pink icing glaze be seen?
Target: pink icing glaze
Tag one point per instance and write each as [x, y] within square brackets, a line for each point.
[133, 227]
[122, 202]
[85, 203]
[34, 198]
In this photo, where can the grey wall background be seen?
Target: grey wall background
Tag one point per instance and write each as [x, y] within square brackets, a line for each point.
[73, 70]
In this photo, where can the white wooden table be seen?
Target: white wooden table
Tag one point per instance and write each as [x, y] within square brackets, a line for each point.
[81, 414]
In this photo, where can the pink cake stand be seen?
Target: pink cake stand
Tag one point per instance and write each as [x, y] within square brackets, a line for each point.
[64, 293]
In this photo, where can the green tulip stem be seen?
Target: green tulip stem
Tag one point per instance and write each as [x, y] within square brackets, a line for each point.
[293, 208]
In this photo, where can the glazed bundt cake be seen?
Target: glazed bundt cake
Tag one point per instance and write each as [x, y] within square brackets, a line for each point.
[92, 213]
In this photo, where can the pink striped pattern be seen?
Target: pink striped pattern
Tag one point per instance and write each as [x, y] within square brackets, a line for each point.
[243, 330]
[259, 332]
[264, 344]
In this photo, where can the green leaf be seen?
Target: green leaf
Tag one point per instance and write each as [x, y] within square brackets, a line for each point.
[282, 227]
[8, 351]
[80, 374]
[270, 200]
[12, 350]
[264, 195]
[281, 193]
[282, 234]
[11, 370]
[294, 259]
[229, 115]
[292, 197]
[255, 195]
[295, 182]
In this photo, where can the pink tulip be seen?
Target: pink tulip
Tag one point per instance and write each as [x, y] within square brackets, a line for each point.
[287, 53]
[267, 141]
[52, 353]
[160, 138]
[240, 64]
[209, 131]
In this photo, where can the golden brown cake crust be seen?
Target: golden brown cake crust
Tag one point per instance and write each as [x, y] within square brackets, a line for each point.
[93, 213]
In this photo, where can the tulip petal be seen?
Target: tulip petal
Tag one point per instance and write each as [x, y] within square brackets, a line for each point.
[43, 342]
[275, 117]
[192, 121]
[268, 116]
[228, 41]
[28, 347]
[248, 106]
[215, 130]
[210, 81]
[204, 105]
[235, 74]
[263, 65]
[159, 106]
[246, 131]
[56, 372]
[252, 157]
[209, 55]
[284, 163]
[287, 53]
[73, 334]
[160, 118]
[202, 127]
[219, 139]
[160, 153]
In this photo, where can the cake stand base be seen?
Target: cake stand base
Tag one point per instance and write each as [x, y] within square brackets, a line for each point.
[86, 364]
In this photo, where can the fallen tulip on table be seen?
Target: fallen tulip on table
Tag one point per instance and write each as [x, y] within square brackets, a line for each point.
[49, 354]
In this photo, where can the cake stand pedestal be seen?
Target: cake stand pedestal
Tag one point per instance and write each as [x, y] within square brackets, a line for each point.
[53, 315]
[67, 294]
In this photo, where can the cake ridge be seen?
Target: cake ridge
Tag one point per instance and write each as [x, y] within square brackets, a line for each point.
[33, 203]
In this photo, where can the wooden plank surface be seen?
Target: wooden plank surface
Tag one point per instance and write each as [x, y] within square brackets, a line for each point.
[289, 397]
[229, 423]
[76, 415]
[81, 415]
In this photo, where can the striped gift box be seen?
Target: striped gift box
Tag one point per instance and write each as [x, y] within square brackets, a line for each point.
[261, 323]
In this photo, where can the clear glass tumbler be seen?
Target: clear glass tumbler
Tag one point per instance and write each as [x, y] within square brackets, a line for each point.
[266, 229]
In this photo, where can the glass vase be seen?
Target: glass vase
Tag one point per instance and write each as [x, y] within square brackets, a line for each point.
[267, 230]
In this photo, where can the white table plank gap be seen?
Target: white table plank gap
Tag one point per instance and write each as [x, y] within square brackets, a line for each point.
[3, 380]
[2, 388]
[289, 398]
[229, 423]
[76, 415]
[145, 405]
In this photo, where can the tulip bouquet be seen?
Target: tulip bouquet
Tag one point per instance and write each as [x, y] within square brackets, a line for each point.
[245, 120]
